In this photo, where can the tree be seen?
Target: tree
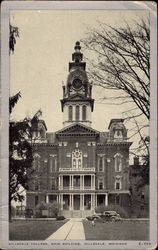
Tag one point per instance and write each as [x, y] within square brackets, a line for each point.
[20, 143]
[14, 32]
[121, 62]
[20, 154]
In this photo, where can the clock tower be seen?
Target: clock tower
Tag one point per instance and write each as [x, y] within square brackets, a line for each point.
[77, 102]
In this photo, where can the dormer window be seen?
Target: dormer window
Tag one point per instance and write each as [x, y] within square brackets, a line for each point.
[118, 134]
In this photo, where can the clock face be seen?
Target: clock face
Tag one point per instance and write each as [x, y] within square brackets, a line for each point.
[77, 84]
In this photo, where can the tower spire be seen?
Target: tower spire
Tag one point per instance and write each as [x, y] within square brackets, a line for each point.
[77, 56]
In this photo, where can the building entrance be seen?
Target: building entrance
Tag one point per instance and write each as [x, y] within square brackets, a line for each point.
[76, 202]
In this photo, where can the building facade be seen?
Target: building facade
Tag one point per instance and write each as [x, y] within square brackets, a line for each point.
[78, 166]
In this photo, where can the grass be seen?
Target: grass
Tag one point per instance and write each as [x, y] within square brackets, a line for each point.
[33, 230]
[116, 231]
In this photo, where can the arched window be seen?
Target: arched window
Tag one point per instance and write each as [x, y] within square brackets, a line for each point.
[76, 159]
[118, 162]
[70, 113]
[77, 113]
[118, 134]
[84, 110]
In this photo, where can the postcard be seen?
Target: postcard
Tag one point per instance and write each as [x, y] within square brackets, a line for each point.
[78, 125]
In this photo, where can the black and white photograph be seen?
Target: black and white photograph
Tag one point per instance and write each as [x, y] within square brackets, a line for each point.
[81, 125]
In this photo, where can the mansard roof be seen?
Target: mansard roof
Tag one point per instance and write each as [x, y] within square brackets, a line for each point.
[77, 129]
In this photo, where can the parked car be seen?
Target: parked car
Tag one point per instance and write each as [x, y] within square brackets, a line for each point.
[60, 217]
[93, 217]
[111, 216]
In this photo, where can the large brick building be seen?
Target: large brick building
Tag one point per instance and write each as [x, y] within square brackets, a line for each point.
[78, 166]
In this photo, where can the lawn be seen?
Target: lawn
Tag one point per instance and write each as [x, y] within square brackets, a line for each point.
[127, 230]
[33, 230]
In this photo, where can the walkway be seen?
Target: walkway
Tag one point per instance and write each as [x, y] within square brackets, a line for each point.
[72, 230]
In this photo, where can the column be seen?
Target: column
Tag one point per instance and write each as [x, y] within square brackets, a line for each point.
[91, 202]
[47, 198]
[94, 180]
[96, 200]
[106, 199]
[83, 183]
[70, 202]
[61, 201]
[59, 182]
[72, 182]
[91, 182]
[83, 202]
[55, 162]
[80, 201]
[57, 199]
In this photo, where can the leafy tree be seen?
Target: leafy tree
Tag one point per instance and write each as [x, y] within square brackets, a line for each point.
[120, 61]
[20, 153]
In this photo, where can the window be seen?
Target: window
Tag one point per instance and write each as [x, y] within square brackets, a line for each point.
[53, 184]
[118, 134]
[53, 163]
[101, 164]
[77, 113]
[118, 184]
[36, 201]
[118, 162]
[77, 159]
[70, 113]
[36, 162]
[100, 185]
[36, 185]
[84, 109]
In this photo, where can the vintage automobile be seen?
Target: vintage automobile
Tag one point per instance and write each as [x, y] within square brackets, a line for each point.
[94, 217]
[111, 216]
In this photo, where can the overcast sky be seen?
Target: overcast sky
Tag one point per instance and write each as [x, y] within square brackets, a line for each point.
[42, 53]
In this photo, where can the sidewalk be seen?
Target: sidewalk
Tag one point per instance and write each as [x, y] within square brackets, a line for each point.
[72, 230]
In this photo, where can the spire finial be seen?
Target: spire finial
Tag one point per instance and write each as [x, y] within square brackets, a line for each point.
[77, 46]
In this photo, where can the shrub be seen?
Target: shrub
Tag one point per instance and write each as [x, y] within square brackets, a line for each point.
[53, 209]
[42, 206]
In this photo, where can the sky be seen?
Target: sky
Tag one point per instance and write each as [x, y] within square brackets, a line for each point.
[39, 64]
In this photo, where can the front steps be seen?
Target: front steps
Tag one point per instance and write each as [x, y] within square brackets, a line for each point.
[76, 213]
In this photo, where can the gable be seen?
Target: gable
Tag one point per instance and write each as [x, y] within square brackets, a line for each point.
[77, 129]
